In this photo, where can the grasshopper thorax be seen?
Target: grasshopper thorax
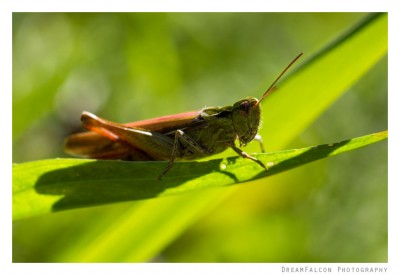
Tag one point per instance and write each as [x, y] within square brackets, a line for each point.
[246, 119]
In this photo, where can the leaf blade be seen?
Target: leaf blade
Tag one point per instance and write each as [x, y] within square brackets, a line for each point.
[54, 185]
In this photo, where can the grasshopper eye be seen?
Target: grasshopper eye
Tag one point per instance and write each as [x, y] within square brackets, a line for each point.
[245, 107]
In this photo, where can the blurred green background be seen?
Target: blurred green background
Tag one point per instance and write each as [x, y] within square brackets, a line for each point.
[132, 66]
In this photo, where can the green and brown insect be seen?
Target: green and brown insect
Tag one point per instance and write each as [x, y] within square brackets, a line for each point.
[185, 136]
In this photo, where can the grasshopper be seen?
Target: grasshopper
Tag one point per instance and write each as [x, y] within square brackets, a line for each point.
[184, 136]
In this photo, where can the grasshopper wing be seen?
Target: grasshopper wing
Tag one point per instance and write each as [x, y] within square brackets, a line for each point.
[100, 143]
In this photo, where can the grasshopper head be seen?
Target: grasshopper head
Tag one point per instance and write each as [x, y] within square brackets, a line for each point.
[246, 119]
[246, 112]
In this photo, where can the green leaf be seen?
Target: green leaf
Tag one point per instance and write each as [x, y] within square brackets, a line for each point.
[146, 232]
[53, 185]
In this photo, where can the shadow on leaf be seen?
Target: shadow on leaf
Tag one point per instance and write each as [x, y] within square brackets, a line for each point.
[101, 182]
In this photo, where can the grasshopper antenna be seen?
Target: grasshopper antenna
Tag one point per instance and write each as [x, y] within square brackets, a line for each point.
[272, 87]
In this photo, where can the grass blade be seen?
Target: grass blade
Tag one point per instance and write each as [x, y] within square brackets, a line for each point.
[54, 185]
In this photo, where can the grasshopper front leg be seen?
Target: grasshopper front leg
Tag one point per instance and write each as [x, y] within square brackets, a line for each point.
[247, 156]
[259, 139]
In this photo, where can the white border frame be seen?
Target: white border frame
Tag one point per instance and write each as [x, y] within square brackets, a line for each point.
[7, 7]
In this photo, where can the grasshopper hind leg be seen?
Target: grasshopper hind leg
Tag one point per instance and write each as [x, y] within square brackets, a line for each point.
[172, 159]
